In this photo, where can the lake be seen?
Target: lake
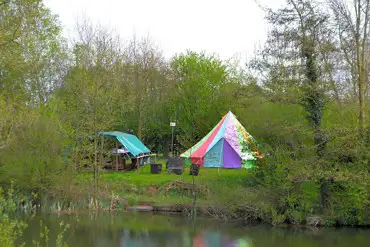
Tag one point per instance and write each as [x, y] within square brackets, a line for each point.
[149, 230]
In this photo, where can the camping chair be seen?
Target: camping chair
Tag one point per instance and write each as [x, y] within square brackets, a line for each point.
[175, 165]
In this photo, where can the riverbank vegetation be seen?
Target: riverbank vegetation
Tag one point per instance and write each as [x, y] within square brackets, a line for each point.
[303, 97]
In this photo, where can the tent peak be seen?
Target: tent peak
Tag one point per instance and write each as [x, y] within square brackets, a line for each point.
[230, 113]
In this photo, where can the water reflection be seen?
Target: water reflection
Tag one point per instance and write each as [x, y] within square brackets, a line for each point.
[201, 239]
[148, 230]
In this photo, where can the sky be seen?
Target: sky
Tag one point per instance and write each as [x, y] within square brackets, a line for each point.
[227, 27]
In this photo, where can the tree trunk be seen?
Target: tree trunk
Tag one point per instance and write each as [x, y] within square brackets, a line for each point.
[361, 116]
[139, 120]
[361, 44]
[96, 161]
[314, 97]
[313, 100]
[324, 194]
[320, 142]
[166, 145]
[139, 103]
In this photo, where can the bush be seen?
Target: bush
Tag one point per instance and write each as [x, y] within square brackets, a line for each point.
[11, 229]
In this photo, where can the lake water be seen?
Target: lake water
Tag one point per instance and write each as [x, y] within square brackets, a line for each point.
[148, 230]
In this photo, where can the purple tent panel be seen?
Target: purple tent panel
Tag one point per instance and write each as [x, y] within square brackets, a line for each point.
[231, 158]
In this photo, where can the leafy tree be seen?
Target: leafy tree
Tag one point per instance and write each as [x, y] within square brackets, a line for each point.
[291, 59]
[199, 101]
[90, 93]
[32, 53]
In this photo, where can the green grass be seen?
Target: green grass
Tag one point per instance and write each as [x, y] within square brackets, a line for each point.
[135, 184]
[143, 177]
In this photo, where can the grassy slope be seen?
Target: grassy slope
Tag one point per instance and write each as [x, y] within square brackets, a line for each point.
[137, 186]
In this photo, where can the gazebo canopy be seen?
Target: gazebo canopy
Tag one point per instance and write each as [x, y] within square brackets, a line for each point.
[130, 142]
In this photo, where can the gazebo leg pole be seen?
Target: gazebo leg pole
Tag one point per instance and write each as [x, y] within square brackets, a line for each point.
[116, 156]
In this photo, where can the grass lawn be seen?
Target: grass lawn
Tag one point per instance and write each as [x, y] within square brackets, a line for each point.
[135, 184]
[143, 177]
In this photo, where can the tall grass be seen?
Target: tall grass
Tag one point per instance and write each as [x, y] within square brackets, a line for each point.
[11, 227]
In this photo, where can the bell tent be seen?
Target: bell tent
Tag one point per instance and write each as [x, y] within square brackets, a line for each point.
[227, 145]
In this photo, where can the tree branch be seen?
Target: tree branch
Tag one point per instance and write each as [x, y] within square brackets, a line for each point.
[4, 2]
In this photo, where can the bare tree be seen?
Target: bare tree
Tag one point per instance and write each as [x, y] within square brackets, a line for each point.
[146, 62]
[353, 28]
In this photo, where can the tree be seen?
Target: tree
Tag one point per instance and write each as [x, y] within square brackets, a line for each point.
[31, 52]
[32, 60]
[199, 101]
[313, 99]
[354, 34]
[291, 57]
[91, 91]
[147, 79]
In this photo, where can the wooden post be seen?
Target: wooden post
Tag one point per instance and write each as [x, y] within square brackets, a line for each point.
[116, 155]
[101, 150]
[123, 163]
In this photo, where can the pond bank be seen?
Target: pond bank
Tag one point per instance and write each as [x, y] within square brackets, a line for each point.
[208, 212]
[227, 194]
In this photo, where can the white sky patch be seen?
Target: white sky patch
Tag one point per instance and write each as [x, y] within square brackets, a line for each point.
[226, 27]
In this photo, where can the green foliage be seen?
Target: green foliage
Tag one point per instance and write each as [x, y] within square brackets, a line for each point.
[11, 229]
[44, 240]
[63, 230]
[38, 143]
[44, 236]
[349, 203]
[199, 101]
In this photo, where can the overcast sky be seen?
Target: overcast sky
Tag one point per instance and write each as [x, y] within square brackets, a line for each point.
[226, 27]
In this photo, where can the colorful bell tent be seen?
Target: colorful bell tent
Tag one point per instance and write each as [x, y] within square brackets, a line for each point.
[227, 145]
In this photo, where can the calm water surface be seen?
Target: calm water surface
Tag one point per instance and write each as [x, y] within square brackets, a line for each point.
[148, 230]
